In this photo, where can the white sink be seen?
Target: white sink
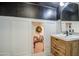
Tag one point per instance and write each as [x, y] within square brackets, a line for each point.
[61, 35]
[67, 38]
[72, 37]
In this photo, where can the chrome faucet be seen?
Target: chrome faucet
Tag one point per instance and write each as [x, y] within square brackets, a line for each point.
[67, 33]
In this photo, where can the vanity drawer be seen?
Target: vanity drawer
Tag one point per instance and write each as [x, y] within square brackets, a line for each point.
[58, 43]
[58, 40]
[58, 46]
[62, 50]
[56, 52]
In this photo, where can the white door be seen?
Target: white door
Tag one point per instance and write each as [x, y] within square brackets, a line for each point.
[15, 36]
[20, 38]
[5, 28]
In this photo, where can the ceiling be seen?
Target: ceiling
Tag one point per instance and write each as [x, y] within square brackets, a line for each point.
[49, 4]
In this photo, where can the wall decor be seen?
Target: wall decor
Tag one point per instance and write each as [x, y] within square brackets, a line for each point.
[38, 37]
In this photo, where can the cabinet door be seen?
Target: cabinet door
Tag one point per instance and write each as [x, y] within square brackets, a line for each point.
[20, 38]
[57, 46]
[75, 48]
[5, 26]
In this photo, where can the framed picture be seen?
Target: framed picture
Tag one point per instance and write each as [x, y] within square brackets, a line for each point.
[38, 37]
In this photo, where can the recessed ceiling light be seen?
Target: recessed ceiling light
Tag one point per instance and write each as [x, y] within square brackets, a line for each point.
[61, 4]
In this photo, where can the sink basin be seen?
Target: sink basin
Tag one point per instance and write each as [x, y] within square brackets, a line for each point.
[67, 38]
[73, 37]
[61, 35]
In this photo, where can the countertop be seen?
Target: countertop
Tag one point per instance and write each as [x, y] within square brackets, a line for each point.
[66, 38]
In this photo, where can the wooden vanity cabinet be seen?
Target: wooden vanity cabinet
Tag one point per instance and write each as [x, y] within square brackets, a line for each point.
[61, 47]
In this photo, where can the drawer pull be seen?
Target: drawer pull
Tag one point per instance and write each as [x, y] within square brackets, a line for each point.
[56, 39]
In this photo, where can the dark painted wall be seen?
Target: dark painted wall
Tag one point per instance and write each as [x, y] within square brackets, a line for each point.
[70, 12]
[28, 10]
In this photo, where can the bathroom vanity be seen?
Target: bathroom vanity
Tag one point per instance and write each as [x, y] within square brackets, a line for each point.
[62, 45]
